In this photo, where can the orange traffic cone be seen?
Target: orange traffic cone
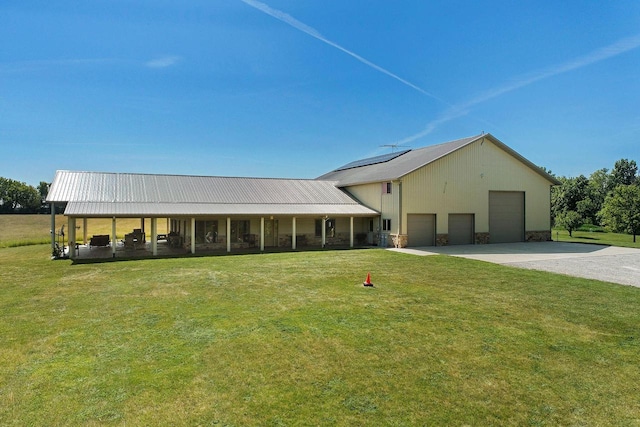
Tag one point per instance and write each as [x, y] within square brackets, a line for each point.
[368, 281]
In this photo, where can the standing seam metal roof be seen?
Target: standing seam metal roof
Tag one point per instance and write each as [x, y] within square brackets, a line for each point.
[104, 194]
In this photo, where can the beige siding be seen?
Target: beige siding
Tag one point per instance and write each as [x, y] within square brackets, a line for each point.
[461, 181]
[372, 196]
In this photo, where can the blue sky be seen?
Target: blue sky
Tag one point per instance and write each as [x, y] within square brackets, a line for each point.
[293, 88]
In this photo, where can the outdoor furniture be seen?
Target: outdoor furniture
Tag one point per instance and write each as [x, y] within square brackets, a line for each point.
[134, 240]
[174, 239]
[139, 235]
[99, 240]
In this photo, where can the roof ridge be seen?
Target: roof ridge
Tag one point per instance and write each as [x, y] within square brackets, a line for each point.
[257, 178]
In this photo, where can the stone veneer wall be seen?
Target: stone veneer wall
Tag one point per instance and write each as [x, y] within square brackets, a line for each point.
[311, 240]
[442, 239]
[482, 238]
[538, 236]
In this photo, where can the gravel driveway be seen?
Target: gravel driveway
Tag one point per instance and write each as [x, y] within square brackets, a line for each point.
[606, 263]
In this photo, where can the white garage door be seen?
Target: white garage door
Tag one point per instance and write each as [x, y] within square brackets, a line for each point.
[461, 229]
[421, 230]
[506, 216]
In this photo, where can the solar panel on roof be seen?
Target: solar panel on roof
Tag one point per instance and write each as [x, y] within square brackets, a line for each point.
[372, 160]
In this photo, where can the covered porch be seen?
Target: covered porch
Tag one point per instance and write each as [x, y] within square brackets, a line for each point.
[195, 214]
[202, 235]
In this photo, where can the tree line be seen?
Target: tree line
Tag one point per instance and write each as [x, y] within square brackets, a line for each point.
[609, 199]
[19, 197]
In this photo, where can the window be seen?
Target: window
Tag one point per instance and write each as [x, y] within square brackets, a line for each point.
[386, 225]
[238, 230]
[386, 187]
[329, 227]
[206, 231]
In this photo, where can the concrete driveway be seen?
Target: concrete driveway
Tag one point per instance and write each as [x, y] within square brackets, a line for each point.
[606, 263]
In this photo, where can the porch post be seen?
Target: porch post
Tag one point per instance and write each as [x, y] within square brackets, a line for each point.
[84, 230]
[53, 226]
[72, 237]
[113, 237]
[142, 224]
[350, 232]
[293, 233]
[168, 230]
[228, 234]
[324, 231]
[154, 236]
[261, 234]
[193, 235]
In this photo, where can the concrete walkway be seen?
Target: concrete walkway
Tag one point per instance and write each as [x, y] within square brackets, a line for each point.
[606, 263]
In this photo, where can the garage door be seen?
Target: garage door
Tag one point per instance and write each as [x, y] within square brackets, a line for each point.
[421, 230]
[461, 229]
[506, 216]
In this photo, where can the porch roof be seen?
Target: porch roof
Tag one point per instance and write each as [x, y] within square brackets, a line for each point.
[105, 209]
[101, 194]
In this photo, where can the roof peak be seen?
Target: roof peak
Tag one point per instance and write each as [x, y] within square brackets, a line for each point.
[383, 158]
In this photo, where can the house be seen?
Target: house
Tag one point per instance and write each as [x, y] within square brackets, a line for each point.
[469, 191]
[472, 190]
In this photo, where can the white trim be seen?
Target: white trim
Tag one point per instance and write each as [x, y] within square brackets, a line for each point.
[293, 233]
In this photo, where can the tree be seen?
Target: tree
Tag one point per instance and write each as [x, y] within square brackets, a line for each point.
[43, 189]
[588, 209]
[621, 210]
[625, 172]
[17, 197]
[596, 192]
[569, 220]
[547, 171]
[566, 197]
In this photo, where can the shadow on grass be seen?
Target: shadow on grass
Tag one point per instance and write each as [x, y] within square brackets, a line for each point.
[209, 254]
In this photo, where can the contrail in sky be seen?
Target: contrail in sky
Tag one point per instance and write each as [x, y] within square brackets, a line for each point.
[615, 49]
[290, 20]
[459, 110]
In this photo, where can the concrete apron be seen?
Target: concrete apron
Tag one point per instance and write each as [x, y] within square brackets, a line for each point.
[606, 263]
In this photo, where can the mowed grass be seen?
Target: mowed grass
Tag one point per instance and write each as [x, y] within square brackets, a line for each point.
[295, 339]
[596, 237]
[21, 230]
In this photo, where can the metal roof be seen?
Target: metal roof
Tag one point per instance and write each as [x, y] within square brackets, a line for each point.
[98, 209]
[128, 194]
[402, 165]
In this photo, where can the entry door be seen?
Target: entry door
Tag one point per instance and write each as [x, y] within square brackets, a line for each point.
[271, 232]
[421, 230]
[506, 216]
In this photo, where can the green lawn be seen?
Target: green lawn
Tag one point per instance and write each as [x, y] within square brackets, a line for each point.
[21, 230]
[295, 339]
[601, 238]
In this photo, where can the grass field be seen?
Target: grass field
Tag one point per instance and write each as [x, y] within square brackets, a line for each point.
[21, 230]
[613, 239]
[295, 339]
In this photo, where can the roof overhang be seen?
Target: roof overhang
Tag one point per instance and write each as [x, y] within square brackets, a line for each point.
[162, 210]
